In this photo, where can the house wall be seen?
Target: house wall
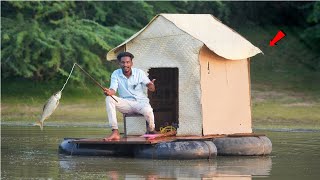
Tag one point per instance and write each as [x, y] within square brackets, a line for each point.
[225, 90]
[162, 44]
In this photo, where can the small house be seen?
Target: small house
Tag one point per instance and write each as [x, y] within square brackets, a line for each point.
[202, 72]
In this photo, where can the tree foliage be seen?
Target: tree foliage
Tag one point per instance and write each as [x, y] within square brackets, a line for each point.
[313, 31]
[312, 35]
[41, 40]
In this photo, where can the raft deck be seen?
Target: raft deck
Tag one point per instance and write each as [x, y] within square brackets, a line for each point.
[165, 138]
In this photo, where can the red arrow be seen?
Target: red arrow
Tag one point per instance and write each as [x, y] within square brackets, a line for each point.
[277, 38]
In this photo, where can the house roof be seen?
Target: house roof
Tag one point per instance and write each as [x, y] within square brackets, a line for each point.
[218, 37]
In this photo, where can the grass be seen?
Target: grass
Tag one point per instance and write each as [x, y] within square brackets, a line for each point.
[285, 109]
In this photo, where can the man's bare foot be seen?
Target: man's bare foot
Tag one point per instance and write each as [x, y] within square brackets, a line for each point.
[114, 135]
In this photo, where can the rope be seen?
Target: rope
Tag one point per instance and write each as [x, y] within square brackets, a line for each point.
[68, 77]
[262, 145]
[74, 145]
[166, 129]
[209, 149]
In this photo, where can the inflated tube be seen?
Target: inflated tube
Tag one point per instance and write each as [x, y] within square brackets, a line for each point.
[70, 148]
[177, 150]
[248, 146]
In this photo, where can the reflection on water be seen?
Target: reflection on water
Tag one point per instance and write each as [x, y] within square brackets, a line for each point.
[129, 168]
[28, 153]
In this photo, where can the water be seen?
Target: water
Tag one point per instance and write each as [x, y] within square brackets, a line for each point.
[28, 153]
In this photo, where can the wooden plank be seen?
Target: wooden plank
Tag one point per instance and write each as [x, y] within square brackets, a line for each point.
[128, 140]
[218, 136]
[167, 137]
[159, 138]
[245, 135]
[199, 137]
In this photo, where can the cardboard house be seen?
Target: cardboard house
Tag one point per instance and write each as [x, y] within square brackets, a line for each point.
[202, 69]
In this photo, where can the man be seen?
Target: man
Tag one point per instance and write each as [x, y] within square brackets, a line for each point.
[130, 83]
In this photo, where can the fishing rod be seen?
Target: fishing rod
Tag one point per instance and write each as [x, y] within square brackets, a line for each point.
[96, 82]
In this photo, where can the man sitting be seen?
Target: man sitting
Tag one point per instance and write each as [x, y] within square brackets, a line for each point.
[130, 83]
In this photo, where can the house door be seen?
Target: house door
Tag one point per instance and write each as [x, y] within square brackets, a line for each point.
[165, 99]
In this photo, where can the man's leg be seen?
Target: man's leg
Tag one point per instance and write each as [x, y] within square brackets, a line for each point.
[111, 105]
[146, 110]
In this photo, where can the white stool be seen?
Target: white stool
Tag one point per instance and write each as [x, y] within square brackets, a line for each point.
[134, 124]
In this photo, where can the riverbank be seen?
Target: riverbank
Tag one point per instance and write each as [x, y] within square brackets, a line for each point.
[272, 107]
[284, 109]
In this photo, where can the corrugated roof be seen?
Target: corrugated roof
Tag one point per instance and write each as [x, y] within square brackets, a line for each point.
[218, 37]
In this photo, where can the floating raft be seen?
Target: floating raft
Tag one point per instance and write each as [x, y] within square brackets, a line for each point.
[170, 147]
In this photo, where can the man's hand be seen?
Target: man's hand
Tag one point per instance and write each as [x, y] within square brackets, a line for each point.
[108, 92]
[151, 86]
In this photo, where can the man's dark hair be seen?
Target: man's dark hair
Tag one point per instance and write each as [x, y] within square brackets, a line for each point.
[124, 54]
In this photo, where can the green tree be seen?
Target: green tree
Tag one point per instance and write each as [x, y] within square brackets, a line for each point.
[216, 8]
[42, 40]
[312, 35]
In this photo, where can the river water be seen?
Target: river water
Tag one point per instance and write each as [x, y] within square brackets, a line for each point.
[28, 153]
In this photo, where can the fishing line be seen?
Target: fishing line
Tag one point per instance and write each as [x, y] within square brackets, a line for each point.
[96, 82]
[68, 77]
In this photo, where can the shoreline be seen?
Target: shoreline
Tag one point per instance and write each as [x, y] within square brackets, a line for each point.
[105, 126]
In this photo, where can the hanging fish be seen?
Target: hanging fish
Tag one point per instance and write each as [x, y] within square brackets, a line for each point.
[52, 103]
[48, 108]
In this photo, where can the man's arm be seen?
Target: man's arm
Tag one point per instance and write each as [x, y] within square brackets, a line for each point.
[151, 86]
[113, 85]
